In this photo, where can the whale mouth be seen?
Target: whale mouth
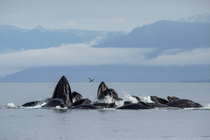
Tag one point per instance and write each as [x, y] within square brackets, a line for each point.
[102, 87]
[169, 98]
[63, 91]
[172, 98]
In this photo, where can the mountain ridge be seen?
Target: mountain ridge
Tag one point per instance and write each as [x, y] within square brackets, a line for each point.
[110, 73]
[16, 39]
[164, 35]
[203, 18]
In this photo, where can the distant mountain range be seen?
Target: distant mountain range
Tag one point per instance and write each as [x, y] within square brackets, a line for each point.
[164, 35]
[16, 39]
[186, 34]
[111, 73]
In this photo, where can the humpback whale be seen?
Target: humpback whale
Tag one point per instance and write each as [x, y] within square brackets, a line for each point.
[63, 91]
[173, 102]
[55, 102]
[81, 101]
[76, 96]
[30, 104]
[105, 105]
[106, 98]
[84, 106]
[158, 102]
[78, 99]
[35, 103]
[135, 106]
[61, 96]
[129, 102]
[182, 103]
[104, 91]
[136, 97]
[102, 87]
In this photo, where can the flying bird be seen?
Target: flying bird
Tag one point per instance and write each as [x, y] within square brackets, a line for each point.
[90, 80]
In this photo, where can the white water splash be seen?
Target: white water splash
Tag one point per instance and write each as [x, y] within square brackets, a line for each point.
[58, 107]
[128, 97]
[107, 99]
[11, 105]
[119, 103]
[208, 105]
[146, 99]
[35, 107]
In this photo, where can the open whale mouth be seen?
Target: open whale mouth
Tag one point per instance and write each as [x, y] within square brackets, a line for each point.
[102, 87]
[169, 98]
[63, 91]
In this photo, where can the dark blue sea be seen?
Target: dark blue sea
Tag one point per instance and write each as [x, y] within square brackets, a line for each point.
[104, 124]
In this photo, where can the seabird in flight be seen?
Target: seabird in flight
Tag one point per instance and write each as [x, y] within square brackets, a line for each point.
[90, 80]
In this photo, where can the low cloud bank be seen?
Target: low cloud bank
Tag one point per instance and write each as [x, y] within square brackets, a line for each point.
[83, 54]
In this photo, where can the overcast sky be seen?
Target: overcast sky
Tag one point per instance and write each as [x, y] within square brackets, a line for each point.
[106, 15]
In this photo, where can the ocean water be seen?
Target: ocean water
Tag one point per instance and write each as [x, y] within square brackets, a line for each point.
[154, 124]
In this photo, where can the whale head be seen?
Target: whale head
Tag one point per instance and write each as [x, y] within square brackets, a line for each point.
[101, 88]
[172, 98]
[158, 100]
[63, 91]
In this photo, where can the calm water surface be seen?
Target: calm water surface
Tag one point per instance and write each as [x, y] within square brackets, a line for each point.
[154, 124]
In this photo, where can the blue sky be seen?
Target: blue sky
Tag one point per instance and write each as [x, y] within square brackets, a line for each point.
[106, 15]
